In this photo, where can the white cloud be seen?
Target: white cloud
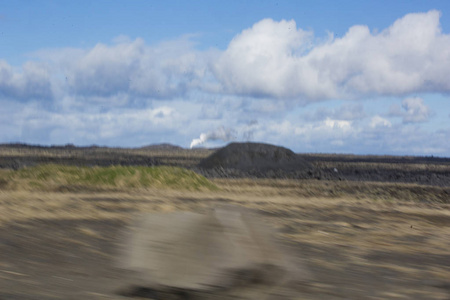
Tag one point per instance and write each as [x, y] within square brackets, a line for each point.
[165, 70]
[338, 124]
[346, 111]
[176, 122]
[306, 136]
[32, 82]
[257, 61]
[131, 93]
[378, 136]
[105, 70]
[377, 121]
[412, 110]
[272, 59]
[118, 127]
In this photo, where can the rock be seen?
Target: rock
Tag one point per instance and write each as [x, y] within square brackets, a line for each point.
[222, 252]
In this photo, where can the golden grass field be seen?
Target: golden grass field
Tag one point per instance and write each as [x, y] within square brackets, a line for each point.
[358, 240]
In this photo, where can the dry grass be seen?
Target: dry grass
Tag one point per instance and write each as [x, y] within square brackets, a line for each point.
[373, 191]
[173, 157]
[101, 151]
[263, 194]
[118, 178]
[403, 167]
[338, 222]
[337, 233]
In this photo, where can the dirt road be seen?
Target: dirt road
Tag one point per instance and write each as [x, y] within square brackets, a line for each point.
[63, 245]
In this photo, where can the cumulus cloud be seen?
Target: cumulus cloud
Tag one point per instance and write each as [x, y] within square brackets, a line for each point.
[132, 67]
[307, 137]
[415, 110]
[129, 92]
[32, 123]
[377, 121]
[277, 59]
[257, 60]
[338, 124]
[32, 82]
[412, 110]
[378, 136]
[175, 122]
[271, 60]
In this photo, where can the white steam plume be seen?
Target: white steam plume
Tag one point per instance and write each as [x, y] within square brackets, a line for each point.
[221, 133]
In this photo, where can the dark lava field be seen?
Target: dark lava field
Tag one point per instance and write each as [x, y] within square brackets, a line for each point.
[241, 160]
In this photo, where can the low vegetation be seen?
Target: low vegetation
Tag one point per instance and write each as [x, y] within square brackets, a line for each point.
[374, 191]
[53, 177]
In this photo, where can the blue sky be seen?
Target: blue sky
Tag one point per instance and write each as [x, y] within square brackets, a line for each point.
[363, 77]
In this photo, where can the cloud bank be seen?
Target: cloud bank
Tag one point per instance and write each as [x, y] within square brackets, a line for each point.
[33, 82]
[274, 82]
[272, 59]
[278, 59]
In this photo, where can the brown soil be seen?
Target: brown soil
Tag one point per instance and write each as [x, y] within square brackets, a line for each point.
[63, 246]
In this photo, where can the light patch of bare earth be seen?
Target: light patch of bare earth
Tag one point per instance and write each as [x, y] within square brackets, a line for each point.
[63, 245]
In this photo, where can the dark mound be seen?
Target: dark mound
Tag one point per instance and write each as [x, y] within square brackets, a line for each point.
[257, 159]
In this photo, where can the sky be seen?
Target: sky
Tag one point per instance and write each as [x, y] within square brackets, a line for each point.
[361, 77]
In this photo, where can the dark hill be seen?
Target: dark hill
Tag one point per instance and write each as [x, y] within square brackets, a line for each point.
[256, 159]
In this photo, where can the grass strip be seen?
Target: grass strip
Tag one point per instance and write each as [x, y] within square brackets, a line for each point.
[54, 177]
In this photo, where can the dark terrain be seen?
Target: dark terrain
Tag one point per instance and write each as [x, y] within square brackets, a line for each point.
[241, 160]
[365, 227]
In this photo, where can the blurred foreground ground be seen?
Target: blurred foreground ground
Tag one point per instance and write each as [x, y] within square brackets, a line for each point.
[63, 245]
